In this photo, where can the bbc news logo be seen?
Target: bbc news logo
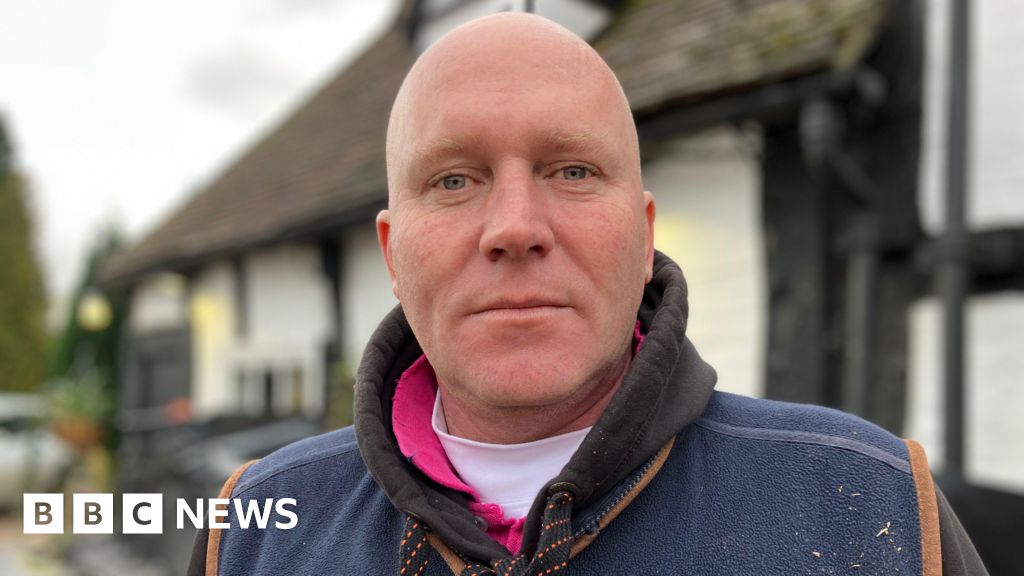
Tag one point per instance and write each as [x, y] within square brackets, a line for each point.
[143, 513]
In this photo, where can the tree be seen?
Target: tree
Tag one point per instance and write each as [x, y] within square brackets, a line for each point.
[76, 349]
[23, 339]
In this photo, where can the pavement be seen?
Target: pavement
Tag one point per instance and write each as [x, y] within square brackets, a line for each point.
[66, 555]
[29, 554]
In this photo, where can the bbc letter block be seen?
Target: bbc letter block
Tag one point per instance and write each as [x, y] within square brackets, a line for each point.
[43, 513]
[92, 514]
[142, 514]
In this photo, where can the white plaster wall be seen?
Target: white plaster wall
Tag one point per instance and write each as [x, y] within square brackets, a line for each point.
[287, 296]
[288, 318]
[996, 179]
[993, 365]
[158, 302]
[366, 295]
[995, 341]
[707, 193]
[212, 318]
[287, 326]
[288, 322]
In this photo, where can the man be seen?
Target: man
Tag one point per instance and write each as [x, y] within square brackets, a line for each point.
[533, 406]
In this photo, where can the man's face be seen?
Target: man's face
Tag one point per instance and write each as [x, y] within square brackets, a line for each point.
[519, 238]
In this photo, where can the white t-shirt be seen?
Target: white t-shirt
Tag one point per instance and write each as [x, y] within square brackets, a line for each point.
[509, 475]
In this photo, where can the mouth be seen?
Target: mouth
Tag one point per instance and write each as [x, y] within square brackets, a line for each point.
[521, 308]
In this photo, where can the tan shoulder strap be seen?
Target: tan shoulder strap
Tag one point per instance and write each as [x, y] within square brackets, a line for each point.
[927, 511]
[213, 538]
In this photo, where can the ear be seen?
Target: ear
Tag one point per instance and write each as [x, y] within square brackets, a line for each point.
[649, 212]
[384, 240]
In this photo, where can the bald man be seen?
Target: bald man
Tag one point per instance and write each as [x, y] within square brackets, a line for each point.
[533, 405]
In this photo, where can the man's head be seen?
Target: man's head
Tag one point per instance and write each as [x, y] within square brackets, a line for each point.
[518, 235]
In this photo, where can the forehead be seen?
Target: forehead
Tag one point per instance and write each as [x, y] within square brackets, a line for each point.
[513, 64]
[461, 108]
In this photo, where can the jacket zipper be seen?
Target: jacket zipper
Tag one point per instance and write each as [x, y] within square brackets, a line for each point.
[595, 524]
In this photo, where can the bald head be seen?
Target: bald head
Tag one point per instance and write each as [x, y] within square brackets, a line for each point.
[518, 235]
[504, 58]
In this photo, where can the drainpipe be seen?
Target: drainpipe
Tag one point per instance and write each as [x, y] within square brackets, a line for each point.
[822, 131]
[953, 277]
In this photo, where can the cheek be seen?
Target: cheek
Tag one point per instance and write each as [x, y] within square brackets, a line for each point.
[426, 262]
[412, 275]
[608, 241]
[608, 247]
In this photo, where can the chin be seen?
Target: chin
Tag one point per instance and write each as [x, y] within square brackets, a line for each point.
[530, 382]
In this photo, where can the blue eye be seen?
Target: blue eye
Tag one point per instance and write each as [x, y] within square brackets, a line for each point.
[454, 182]
[574, 172]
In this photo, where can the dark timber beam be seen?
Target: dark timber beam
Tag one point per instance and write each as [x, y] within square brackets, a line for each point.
[841, 222]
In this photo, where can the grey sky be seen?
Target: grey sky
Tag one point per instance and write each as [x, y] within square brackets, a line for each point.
[120, 109]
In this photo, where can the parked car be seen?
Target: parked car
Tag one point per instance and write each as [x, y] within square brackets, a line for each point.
[32, 458]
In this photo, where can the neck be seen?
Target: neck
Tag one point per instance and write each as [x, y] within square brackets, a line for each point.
[519, 424]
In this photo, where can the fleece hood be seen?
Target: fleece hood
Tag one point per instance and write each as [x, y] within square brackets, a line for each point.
[666, 388]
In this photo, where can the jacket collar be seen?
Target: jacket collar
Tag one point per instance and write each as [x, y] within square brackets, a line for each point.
[666, 388]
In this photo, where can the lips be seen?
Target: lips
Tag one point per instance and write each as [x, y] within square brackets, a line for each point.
[520, 304]
[521, 309]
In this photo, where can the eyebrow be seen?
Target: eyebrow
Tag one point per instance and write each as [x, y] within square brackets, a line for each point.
[442, 148]
[583, 142]
[586, 142]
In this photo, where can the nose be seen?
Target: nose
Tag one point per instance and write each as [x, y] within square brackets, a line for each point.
[517, 219]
